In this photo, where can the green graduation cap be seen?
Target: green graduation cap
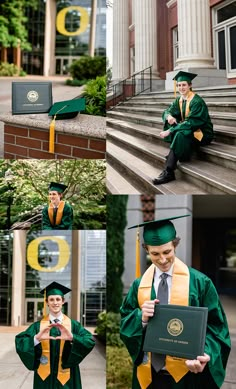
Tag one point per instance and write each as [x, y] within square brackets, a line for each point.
[67, 109]
[60, 188]
[184, 76]
[55, 289]
[158, 232]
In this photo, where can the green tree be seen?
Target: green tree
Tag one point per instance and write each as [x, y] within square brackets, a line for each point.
[24, 186]
[116, 222]
[13, 23]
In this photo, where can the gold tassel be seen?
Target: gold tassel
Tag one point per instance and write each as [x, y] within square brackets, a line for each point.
[175, 85]
[52, 135]
[44, 304]
[137, 269]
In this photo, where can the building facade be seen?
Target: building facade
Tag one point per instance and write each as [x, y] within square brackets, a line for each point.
[208, 235]
[170, 35]
[60, 32]
[31, 261]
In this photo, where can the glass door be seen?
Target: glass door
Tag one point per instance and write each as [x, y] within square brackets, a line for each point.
[34, 310]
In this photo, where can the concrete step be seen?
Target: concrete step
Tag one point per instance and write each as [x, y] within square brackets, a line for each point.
[143, 117]
[220, 154]
[226, 135]
[140, 174]
[206, 176]
[213, 106]
[117, 184]
[207, 96]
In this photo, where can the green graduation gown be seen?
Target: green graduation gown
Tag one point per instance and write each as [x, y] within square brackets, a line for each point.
[66, 221]
[201, 293]
[73, 354]
[182, 138]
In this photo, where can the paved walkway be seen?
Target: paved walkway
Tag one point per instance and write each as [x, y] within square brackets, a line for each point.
[14, 375]
[60, 92]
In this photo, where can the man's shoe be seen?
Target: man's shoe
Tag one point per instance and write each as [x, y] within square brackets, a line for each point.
[164, 177]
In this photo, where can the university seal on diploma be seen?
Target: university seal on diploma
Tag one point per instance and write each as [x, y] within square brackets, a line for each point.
[31, 97]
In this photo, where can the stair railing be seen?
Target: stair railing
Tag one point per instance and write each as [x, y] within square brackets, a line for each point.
[26, 224]
[131, 86]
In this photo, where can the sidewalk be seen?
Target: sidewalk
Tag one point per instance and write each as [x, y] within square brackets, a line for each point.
[13, 373]
[60, 92]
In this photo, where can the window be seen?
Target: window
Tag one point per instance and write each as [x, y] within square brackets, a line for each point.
[224, 35]
[175, 45]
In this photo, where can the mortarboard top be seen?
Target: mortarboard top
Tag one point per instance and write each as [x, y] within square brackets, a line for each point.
[60, 188]
[184, 76]
[55, 289]
[158, 232]
[67, 109]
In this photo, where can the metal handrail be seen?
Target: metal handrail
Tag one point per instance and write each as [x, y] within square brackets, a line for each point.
[119, 92]
[26, 224]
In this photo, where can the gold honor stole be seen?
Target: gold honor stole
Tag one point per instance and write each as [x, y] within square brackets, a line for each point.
[198, 133]
[59, 213]
[179, 296]
[44, 369]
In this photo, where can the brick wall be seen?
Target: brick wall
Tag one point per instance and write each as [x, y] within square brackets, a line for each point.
[33, 143]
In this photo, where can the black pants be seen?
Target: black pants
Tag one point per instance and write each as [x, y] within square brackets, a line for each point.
[171, 161]
[161, 380]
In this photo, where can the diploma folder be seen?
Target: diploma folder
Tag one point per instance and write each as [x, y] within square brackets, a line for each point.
[177, 330]
[31, 97]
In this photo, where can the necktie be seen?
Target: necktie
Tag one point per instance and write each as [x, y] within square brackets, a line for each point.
[158, 360]
[56, 320]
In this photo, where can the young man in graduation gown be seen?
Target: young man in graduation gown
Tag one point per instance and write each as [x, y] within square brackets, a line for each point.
[58, 215]
[185, 286]
[54, 346]
[187, 125]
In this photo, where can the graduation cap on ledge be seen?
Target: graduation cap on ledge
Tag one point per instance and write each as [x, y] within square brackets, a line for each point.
[67, 109]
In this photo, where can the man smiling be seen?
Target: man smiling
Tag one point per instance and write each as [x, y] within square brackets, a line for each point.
[58, 215]
[54, 346]
[169, 281]
[187, 126]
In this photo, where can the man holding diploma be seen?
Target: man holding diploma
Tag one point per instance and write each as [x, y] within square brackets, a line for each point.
[170, 281]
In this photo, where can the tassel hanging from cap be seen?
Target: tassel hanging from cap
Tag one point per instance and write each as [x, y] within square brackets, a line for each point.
[44, 304]
[175, 87]
[52, 135]
[52, 131]
[137, 267]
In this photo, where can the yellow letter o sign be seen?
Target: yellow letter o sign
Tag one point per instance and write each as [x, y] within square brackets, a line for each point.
[63, 258]
[61, 21]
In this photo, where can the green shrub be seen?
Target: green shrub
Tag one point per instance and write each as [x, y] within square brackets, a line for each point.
[88, 68]
[95, 96]
[76, 82]
[108, 329]
[10, 70]
[119, 368]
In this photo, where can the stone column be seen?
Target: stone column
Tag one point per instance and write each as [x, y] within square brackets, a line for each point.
[50, 38]
[18, 278]
[145, 16]
[120, 61]
[194, 34]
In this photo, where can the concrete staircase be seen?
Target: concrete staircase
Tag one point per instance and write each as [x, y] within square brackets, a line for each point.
[136, 153]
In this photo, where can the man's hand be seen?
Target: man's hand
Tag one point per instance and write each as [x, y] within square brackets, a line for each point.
[198, 365]
[44, 334]
[164, 134]
[148, 309]
[65, 333]
[171, 120]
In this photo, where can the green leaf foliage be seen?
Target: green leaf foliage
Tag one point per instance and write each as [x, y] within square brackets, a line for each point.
[119, 368]
[108, 329]
[95, 96]
[13, 23]
[88, 68]
[24, 188]
[116, 223]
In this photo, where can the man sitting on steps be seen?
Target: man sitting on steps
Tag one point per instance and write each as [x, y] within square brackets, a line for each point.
[187, 126]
